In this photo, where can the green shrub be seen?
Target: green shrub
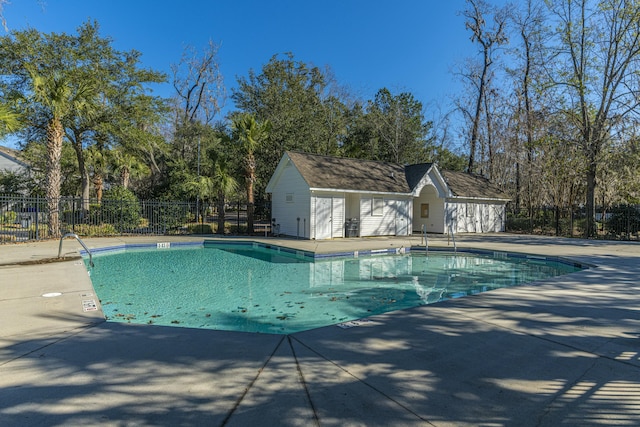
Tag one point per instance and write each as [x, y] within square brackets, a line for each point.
[227, 228]
[234, 229]
[9, 217]
[624, 219]
[88, 230]
[200, 229]
[120, 207]
[169, 216]
[518, 225]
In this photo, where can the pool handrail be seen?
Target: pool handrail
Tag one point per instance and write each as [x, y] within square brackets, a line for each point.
[425, 239]
[79, 241]
[453, 237]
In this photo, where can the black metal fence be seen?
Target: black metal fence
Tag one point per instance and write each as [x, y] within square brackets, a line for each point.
[621, 222]
[25, 218]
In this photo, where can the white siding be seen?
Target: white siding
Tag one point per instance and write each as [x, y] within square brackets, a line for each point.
[385, 224]
[337, 215]
[435, 223]
[8, 164]
[469, 220]
[370, 225]
[285, 213]
[403, 211]
[466, 217]
[473, 217]
[294, 209]
[495, 218]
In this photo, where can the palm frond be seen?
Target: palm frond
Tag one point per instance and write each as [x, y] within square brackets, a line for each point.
[9, 120]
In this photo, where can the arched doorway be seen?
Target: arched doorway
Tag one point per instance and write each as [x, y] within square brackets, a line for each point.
[428, 210]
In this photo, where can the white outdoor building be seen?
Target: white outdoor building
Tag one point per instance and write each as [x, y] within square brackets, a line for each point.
[323, 197]
[10, 161]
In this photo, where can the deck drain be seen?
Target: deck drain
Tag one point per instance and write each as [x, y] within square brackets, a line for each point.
[52, 294]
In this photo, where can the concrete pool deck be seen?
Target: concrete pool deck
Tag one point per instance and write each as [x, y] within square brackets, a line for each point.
[565, 351]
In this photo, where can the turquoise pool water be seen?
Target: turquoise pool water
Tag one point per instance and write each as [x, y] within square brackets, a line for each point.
[246, 288]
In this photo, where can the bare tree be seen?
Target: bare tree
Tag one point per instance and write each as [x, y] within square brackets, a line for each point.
[3, 20]
[489, 40]
[597, 57]
[528, 76]
[199, 84]
[200, 93]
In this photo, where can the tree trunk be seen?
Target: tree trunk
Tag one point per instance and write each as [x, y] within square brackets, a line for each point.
[488, 117]
[476, 117]
[250, 205]
[55, 133]
[84, 173]
[85, 188]
[221, 212]
[251, 177]
[590, 228]
[125, 176]
[517, 202]
[98, 183]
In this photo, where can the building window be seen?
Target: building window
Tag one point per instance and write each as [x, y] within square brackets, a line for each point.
[377, 206]
[424, 210]
[289, 198]
[469, 210]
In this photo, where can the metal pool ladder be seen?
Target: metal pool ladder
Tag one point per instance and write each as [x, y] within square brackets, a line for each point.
[453, 237]
[425, 239]
[79, 241]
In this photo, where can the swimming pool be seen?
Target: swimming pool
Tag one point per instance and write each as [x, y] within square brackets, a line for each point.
[255, 288]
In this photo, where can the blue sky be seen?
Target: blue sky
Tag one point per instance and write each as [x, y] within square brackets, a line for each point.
[404, 45]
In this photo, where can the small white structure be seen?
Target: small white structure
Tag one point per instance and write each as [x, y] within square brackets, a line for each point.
[10, 161]
[447, 201]
[322, 197]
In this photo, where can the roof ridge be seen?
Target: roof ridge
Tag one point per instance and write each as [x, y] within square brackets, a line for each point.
[345, 158]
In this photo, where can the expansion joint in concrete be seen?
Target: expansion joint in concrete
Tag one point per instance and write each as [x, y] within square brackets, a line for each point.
[303, 382]
[246, 390]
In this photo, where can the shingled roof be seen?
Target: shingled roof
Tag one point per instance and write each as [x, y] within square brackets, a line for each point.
[464, 184]
[9, 152]
[415, 173]
[13, 155]
[339, 173]
[350, 174]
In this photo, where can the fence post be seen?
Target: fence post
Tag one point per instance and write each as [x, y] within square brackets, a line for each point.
[73, 215]
[37, 215]
[571, 219]
[121, 222]
[628, 212]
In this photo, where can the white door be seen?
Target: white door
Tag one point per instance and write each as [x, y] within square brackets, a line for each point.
[323, 217]
[402, 217]
[337, 217]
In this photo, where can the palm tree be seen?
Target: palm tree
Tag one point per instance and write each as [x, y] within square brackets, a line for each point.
[224, 183]
[98, 159]
[202, 188]
[9, 120]
[127, 164]
[56, 96]
[251, 134]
